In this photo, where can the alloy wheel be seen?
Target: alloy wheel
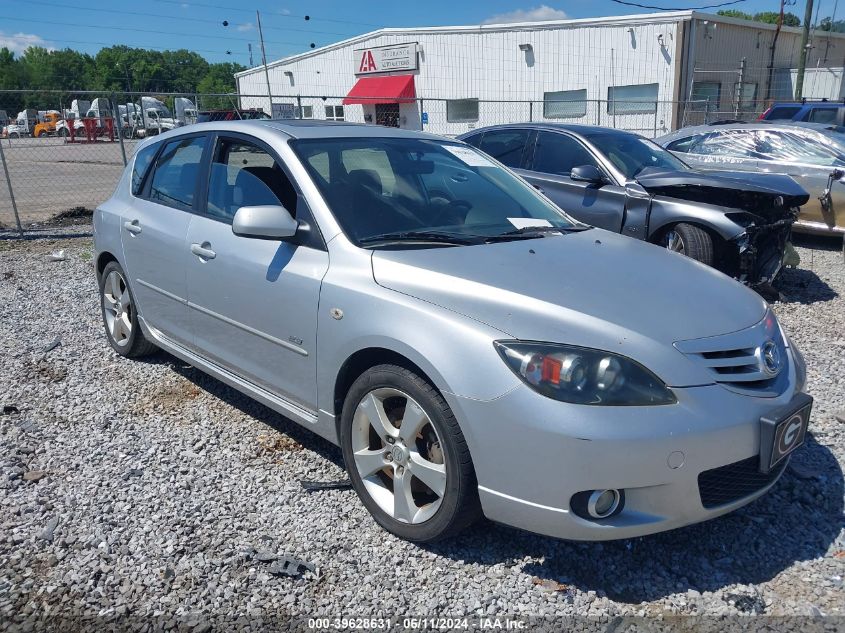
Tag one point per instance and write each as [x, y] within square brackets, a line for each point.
[399, 455]
[117, 308]
[674, 242]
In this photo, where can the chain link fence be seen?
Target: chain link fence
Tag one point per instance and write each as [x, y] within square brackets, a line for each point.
[63, 152]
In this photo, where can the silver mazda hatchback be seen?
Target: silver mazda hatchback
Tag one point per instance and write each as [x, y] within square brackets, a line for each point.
[471, 348]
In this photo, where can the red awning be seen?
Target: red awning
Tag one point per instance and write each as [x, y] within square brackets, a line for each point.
[395, 89]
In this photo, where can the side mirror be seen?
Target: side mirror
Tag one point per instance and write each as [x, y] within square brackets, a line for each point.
[587, 173]
[269, 222]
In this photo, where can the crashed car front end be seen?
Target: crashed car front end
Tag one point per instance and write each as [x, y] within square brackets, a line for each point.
[753, 214]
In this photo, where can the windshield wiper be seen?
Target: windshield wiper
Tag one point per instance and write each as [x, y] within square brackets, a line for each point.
[534, 231]
[419, 236]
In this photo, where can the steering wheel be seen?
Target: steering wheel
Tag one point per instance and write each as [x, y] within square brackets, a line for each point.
[455, 212]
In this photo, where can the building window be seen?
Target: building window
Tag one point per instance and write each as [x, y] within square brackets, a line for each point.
[305, 112]
[334, 113]
[746, 95]
[636, 99]
[707, 95]
[461, 110]
[565, 104]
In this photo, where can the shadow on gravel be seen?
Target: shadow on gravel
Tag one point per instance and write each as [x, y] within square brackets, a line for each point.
[797, 520]
[249, 406]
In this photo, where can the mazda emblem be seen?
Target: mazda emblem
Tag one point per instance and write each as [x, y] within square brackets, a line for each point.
[770, 357]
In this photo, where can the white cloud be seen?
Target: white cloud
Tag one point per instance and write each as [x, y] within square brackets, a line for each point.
[19, 42]
[243, 28]
[537, 14]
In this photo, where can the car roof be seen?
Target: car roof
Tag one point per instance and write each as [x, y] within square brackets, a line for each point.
[576, 128]
[299, 129]
[810, 104]
[780, 126]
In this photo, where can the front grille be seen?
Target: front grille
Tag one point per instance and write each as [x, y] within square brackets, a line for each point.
[730, 483]
[735, 360]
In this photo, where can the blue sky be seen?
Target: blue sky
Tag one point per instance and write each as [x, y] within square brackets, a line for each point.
[198, 24]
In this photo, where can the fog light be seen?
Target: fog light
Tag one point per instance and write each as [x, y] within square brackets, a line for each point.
[603, 503]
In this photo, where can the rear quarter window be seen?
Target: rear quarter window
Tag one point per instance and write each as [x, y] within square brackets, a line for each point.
[141, 165]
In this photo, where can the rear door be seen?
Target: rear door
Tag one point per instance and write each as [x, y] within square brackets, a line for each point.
[154, 230]
[555, 155]
[253, 302]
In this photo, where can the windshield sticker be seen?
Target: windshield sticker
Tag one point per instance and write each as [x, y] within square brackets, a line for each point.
[468, 156]
[524, 223]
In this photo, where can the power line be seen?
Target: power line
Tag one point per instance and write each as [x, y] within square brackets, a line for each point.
[650, 6]
[282, 15]
[156, 32]
[145, 46]
[171, 17]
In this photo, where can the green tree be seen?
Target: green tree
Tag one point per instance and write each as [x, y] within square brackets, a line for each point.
[828, 24]
[218, 80]
[735, 13]
[771, 17]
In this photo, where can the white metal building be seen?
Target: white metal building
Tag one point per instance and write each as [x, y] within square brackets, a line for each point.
[633, 72]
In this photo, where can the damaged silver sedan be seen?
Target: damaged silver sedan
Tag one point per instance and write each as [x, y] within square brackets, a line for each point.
[739, 223]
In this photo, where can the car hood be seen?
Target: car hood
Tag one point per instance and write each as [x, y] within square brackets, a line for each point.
[757, 193]
[593, 288]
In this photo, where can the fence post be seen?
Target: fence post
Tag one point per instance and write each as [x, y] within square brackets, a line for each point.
[656, 105]
[530, 110]
[299, 112]
[118, 124]
[11, 193]
[422, 113]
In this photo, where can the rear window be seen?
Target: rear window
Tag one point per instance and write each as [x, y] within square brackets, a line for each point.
[141, 166]
[782, 113]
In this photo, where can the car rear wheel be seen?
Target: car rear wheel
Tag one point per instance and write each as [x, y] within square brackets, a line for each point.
[63, 132]
[406, 456]
[691, 241]
[120, 316]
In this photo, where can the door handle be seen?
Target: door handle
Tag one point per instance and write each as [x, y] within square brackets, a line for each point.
[203, 251]
[133, 227]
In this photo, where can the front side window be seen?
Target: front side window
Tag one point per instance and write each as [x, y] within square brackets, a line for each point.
[401, 185]
[635, 99]
[558, 154]
[631, 153]
[462, 110]
[506, 146]
[565, 104]
[140, 165]
[176, 170]
[245, 175]
[792, 148]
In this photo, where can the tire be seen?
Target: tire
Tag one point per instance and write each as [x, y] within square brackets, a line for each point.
[438, 450]
[63, 132]
[40, 134]
[120, 317]
[690, 240]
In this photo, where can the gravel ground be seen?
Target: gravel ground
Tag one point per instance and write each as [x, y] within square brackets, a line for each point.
[139, 492]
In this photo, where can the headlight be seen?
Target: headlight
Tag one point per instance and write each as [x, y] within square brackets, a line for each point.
[581, 375]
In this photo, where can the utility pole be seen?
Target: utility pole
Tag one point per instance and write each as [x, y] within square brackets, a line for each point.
[802, 60]
[264, 60]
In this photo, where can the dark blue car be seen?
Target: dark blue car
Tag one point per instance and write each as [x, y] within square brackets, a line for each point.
[828, 112]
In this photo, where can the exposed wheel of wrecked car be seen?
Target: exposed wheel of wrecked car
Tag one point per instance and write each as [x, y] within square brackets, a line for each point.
[691, 241]
[406, 455]
[120, 317]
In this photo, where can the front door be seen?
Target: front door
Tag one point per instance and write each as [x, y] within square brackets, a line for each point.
[387, 114]
[555, 155]
[253, 302]
[153, 232]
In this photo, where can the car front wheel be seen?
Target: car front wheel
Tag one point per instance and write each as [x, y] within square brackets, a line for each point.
[406, 456]
[120, 316]
[691, 241]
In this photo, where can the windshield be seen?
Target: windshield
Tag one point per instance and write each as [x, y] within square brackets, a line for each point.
[630, 154]
[381, 186]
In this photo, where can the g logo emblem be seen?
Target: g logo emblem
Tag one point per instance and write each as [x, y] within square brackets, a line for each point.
[791, 433]
[770, 358]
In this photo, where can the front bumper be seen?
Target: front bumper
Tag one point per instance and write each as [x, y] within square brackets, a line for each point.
[532, 454]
